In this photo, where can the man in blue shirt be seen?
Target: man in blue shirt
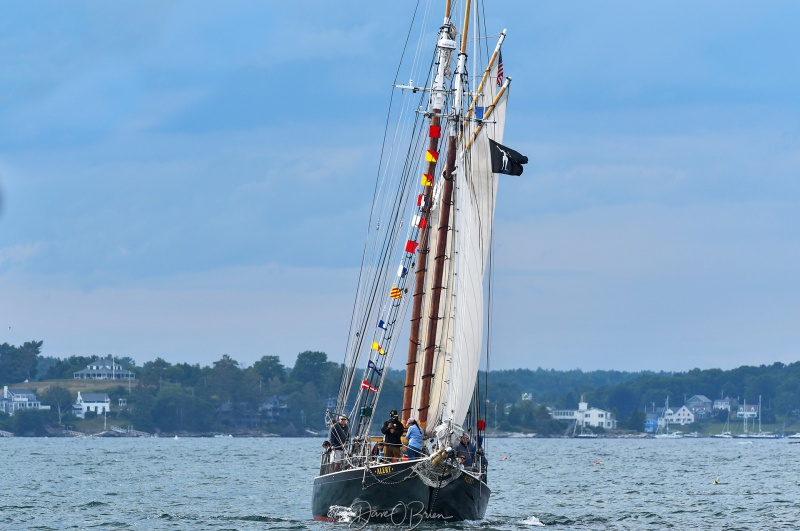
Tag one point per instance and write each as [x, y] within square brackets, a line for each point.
[414, 436]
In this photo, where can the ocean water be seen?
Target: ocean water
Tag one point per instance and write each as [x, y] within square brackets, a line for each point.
[265, 483]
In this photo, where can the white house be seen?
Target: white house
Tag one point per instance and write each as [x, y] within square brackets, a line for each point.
[726, 404]
[586, 416]
[749, 411]
[98, 402]
[104, 369]
[682, 416]
[16, 399]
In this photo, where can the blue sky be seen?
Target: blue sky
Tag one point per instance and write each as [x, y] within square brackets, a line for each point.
[187, 180]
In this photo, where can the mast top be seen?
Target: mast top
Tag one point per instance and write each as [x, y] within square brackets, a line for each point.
[464, 33]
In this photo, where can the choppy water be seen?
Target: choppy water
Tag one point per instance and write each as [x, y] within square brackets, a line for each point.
[243, 484]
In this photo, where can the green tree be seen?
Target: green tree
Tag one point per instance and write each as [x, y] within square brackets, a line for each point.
[635, 421]
[141, 403]
[59, 398]
[224, 379]
[178, 410]
[271, 372]
[153, 372]
[18, 364]
[185, 374]
[309, 367]
[67, 367]
[30, 423]
[624, 400]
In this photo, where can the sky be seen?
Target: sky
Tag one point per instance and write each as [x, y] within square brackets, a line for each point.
[186, 180]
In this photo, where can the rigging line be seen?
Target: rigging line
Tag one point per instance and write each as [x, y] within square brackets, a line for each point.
[367, 303]
[393, 235]
[405, 170]
[406, 180]
[400, 199]
[386, 128]
[421, 42]
[485, 37]
[489, 294]
[405, 44]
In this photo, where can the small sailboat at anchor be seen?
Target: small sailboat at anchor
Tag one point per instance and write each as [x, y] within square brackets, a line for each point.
[427, 254]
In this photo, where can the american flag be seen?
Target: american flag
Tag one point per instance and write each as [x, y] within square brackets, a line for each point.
[500, 69]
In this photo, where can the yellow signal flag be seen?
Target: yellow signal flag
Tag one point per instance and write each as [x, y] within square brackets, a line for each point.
[396, 293]
[376, 346]
[427, 179]
[431, 155]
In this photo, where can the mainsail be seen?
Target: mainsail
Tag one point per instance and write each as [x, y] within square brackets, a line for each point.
[461, 317]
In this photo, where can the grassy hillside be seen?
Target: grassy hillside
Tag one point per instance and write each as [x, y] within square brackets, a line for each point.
[84, 386]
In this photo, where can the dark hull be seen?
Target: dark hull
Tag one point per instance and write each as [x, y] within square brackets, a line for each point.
[394, 493]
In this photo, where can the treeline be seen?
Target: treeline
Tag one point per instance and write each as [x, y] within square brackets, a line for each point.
[227, 396]
[630, 394]
[186, 397]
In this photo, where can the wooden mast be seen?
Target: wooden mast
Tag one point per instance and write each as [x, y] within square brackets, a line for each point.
[424, 251]
[441, 242]
[419, 283]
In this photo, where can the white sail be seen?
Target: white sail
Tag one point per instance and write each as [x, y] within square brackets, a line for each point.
[473, 219]
[462, 313]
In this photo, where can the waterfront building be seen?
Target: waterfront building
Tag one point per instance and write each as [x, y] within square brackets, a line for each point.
[749, 411]
[585, 416]
[681, 416]
[99, 403]
[701, 406]
[14, 400]
[726, 404]
[104, 369]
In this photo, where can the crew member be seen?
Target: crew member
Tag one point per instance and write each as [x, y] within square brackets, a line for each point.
[339, 437]
[392, 430]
